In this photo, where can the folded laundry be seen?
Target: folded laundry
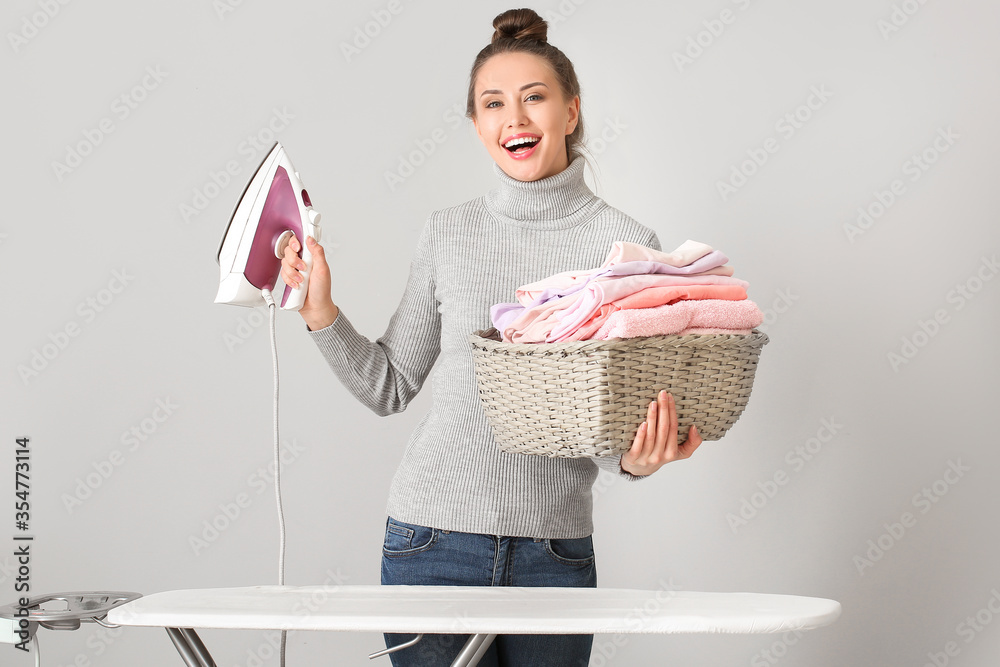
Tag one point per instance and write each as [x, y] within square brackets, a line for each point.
[641, 303]
[637, 291]
[575, 316]
[676, 317]
[568, 282]
[601, 289]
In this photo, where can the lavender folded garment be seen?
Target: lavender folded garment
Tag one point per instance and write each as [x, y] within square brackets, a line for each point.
[502, 314]
[676, 317]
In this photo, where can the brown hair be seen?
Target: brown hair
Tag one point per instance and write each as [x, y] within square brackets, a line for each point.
[524, 31]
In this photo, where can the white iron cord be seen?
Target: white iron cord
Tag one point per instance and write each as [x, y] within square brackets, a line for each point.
[277, 461]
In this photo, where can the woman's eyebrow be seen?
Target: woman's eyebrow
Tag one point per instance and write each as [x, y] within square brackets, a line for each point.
[500, 92]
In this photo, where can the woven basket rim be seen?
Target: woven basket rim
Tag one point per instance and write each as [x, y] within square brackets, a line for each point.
[755, 338]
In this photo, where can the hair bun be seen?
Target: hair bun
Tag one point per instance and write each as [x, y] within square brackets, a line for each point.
[520, 24]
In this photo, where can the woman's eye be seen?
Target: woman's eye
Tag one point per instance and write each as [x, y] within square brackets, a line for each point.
[533, 96]
[492, 104]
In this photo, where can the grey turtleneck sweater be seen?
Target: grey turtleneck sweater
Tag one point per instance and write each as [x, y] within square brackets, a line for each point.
[469, 257]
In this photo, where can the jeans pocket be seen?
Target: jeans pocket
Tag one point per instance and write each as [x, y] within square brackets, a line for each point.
[578, 551]
[404, 539]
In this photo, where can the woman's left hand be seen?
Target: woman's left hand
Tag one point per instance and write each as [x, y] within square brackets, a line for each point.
[655, 442]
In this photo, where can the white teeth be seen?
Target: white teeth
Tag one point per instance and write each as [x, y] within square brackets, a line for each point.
[522, 140]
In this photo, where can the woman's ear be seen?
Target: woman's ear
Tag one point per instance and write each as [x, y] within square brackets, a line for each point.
[573, 115]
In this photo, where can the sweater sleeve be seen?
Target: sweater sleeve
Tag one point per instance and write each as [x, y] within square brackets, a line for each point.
[612, 464]
[387, 373]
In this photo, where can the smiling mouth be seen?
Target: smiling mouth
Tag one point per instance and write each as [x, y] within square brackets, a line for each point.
[522, 145]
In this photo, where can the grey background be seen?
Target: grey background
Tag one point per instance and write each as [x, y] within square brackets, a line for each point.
[663, 136]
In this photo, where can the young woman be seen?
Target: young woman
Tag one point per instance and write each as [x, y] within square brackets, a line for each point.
[460, 511]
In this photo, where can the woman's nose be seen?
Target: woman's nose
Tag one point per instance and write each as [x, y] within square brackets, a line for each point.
[517, 115]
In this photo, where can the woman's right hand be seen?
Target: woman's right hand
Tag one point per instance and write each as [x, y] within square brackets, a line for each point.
[318, 310]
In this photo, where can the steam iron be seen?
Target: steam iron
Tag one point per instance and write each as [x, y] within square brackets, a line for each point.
[274, 205]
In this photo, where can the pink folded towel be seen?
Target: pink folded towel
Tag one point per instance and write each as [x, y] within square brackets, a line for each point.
[676, 317]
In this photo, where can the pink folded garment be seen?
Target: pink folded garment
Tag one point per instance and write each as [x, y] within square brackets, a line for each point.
[637, 292]
[686, 253]
[562, 284]
[534, 324]
[676, 317]
[587, 309]
[553, 319]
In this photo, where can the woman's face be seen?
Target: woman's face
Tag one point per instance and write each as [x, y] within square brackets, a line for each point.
[519, 100]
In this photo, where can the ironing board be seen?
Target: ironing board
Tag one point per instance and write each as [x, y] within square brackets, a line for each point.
[482, 612]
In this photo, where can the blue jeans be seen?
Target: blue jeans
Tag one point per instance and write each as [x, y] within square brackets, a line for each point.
[420, 555]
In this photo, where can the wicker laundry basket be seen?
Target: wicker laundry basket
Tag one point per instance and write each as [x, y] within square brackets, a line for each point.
[587, 398]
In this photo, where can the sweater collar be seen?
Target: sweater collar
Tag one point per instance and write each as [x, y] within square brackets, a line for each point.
[556, 202]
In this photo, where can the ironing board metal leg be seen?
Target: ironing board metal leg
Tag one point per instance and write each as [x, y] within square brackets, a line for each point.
[189, 645]
[184, 648]
[199, 647]
[473, 651]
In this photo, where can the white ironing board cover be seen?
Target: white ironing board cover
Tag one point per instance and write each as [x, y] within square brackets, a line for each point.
[475, 609]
